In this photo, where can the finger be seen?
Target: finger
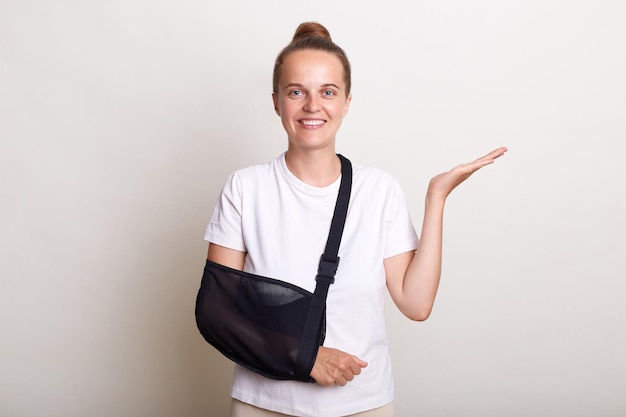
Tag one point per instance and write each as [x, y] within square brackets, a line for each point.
[356, 367]
[500, 151]
[463, 171]
[360, 362]
[341, 381]
[484, 160]
[496, 153]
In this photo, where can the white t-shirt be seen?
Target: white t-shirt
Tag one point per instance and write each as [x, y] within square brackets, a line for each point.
[282, 223]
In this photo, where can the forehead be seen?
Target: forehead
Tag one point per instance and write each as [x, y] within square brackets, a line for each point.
[311, 65]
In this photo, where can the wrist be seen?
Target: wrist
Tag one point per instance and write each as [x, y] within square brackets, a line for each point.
[435, 198]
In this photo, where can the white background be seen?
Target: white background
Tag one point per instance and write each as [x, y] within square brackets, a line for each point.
[120, 121]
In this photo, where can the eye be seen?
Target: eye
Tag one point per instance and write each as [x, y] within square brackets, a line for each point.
[296, 93]
[328, 93]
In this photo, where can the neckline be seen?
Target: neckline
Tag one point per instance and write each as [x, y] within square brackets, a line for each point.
[302, 186]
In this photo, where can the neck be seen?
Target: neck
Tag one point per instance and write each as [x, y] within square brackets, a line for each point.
[318, 168]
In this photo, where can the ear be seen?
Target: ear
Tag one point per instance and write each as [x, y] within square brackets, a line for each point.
[275, 101]
[347, 105]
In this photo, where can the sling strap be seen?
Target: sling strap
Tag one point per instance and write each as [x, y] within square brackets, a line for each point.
[329, 262]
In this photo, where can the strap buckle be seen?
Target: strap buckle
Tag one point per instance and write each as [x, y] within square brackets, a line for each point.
[327, 268]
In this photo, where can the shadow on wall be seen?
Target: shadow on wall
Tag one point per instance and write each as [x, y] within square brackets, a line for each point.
[212, 376]
[208, 374]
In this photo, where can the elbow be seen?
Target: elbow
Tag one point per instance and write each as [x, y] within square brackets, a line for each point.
[418, 314]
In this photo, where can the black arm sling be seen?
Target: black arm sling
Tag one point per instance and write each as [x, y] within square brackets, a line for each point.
[270, 326]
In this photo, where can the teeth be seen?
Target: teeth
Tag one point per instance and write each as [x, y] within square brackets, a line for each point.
[312, 122]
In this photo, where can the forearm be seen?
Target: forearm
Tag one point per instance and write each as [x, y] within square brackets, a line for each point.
[421, 280]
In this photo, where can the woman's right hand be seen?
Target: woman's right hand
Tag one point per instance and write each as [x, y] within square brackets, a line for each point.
[334, 367]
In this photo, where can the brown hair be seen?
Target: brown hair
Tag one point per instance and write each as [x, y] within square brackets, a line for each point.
[313, 36]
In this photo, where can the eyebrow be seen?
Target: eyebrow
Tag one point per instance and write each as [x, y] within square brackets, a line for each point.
[302, 86]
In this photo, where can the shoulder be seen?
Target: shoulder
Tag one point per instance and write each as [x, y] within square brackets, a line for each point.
[371, 172]
[376, 187]
[373, 177]
[255, 173]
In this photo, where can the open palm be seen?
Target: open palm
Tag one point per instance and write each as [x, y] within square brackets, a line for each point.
[443, 184]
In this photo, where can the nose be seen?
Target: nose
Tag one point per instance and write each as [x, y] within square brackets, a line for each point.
[311, 104]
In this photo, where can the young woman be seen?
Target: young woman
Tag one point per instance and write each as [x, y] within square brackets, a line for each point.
[273, 220]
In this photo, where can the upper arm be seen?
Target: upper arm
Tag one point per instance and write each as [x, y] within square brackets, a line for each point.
[225, 256]
[395, 271]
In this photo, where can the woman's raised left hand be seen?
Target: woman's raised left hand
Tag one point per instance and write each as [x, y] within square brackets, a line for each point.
[442, 185]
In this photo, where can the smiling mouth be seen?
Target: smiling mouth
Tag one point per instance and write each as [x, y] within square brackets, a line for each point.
[316, 122]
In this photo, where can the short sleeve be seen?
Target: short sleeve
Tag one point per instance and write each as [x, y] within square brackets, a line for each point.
[401, 236]
[225, 226]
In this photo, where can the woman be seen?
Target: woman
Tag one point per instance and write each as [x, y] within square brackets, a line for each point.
[273, 220]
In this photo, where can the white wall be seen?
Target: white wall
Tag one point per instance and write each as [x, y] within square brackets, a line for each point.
[120, 120]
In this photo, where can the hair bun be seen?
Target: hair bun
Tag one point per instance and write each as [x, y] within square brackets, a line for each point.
[311, 30]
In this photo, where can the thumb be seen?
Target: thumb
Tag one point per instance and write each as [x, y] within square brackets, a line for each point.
[361, 363]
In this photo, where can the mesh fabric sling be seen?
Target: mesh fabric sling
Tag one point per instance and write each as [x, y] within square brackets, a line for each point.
[269, 326]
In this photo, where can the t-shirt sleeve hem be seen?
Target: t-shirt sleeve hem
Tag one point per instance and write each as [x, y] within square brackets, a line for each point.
[212, 236]
[399, 248]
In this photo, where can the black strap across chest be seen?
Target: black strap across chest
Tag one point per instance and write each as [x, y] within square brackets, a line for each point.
[329, 263]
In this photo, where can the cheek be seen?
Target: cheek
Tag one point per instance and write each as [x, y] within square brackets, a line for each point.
[287, 109]
[340, 110]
